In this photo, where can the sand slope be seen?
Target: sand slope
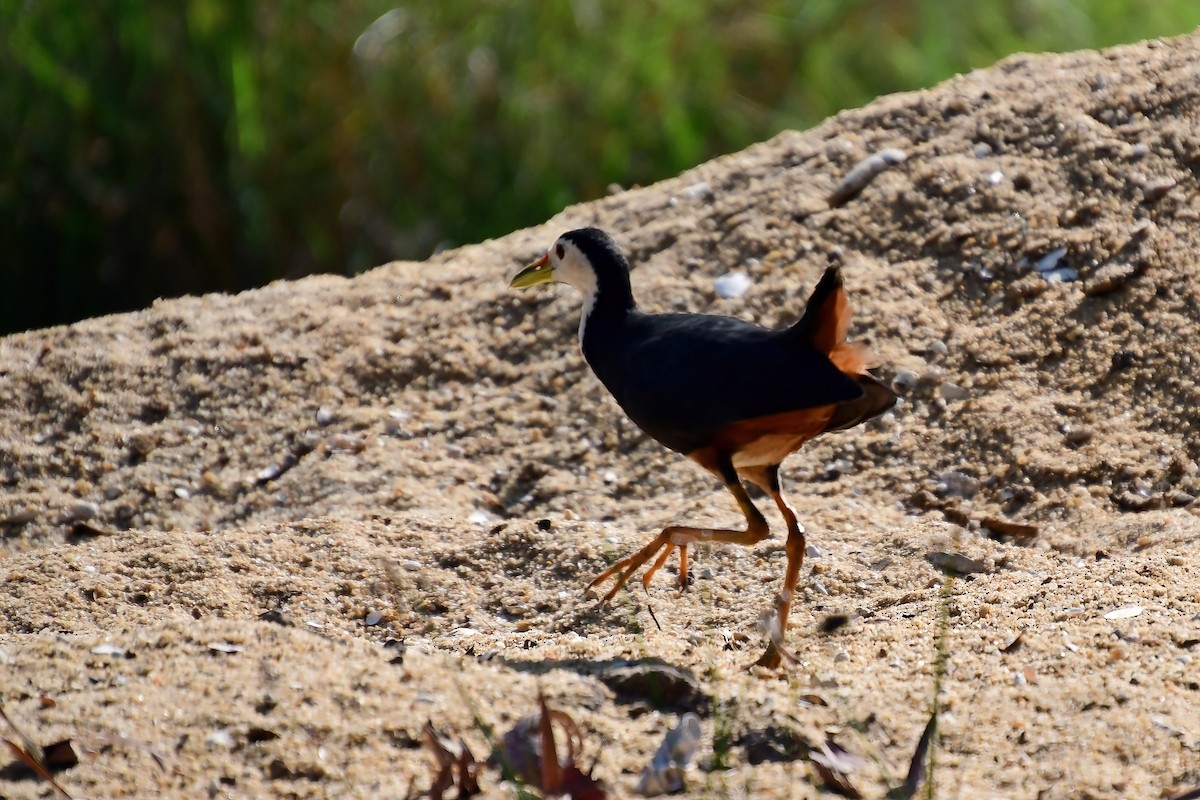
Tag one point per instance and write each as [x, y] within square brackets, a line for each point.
[204, 504]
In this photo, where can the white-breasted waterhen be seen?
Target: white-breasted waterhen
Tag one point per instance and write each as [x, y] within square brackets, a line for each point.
[734, 397]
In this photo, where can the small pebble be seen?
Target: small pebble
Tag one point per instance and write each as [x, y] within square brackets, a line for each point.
[905, 381]
[955, 562]
[1061, 275]
[954, 483]
[220, 738]
[396, 422]
[812, 551]
[182, 492]
[325, 415]
[982, 150]
[732, 285]
[1157, 189]
[84, 510]
[348, 443]
[863, 173]
[838, 467]
[1050, 260]
[841, 656]
[269, 473]
[1124, 613]
[109, 649]
[951, 392]
[1165, 724]
[479, 517]
[373, 618]
[1008, 527]
[700, 190]
[410, 565]
[1075, 435]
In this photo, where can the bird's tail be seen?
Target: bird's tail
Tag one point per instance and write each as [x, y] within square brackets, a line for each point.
[825, 322]
[823, 327]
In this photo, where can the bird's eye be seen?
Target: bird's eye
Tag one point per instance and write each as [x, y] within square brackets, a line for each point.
[560, 251]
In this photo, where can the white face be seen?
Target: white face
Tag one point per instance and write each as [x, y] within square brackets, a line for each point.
[572, 267]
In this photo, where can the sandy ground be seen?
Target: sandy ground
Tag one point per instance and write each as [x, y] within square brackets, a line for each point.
[252, 544]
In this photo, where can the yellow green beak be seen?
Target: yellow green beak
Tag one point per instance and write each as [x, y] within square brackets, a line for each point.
[539, 271]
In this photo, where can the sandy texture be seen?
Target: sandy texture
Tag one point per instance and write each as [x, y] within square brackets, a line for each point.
[265, 538]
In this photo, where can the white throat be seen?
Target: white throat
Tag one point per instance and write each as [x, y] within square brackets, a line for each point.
[574, 271]
[589, 303]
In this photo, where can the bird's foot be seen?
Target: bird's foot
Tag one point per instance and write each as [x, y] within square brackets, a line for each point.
[774, 623]
[624, 569]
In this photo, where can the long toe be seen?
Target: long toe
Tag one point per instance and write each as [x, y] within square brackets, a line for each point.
[683, 568]
[653, 568]
[608, 573]
[622, 570]
[622, 579]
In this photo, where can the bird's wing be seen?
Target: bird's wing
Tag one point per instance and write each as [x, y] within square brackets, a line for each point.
[682, 377]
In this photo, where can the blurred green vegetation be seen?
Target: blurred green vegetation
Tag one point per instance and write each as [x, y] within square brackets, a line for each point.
[159, 148]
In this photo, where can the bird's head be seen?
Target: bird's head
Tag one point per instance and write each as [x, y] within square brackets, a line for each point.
[586, 258]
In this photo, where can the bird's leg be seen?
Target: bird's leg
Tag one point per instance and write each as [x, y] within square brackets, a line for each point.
[795, 559]
[683, 568]
[681, 536]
